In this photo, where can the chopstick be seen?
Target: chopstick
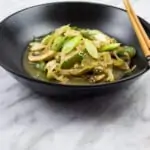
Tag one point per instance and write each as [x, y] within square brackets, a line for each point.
[146, 38]
[139, 30]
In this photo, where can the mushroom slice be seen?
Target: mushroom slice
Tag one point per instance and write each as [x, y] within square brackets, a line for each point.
[36, 46]
[43, 56]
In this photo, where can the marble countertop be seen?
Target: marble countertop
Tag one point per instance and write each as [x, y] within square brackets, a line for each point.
[31, 122]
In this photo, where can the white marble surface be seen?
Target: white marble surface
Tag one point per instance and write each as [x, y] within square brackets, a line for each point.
[31, 122]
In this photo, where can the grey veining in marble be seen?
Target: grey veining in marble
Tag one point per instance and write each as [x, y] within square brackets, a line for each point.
[120, 121]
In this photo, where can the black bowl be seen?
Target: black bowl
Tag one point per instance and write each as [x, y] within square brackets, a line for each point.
[18, 29]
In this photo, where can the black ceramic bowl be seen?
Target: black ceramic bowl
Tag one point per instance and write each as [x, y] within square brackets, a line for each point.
[18, 29]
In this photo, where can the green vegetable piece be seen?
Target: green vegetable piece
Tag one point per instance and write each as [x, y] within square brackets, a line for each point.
[69, 62]
[58, 43]
[130, 50]
[110, 47]
[40, 66]
[62, 29]
[90, 34]
[118, 62]
[121, 64]
[46, 39]
[91, 49]
[69, 45]
[122, 51]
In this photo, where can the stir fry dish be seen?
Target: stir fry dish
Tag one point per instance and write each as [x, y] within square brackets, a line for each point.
[75, 54]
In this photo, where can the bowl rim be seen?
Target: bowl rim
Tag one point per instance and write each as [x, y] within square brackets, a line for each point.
[70, 85]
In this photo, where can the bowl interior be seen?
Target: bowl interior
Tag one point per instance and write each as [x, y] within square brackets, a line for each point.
[20, 28]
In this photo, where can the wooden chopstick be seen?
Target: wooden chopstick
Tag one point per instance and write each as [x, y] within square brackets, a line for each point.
[140, 37]
[146, 38]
